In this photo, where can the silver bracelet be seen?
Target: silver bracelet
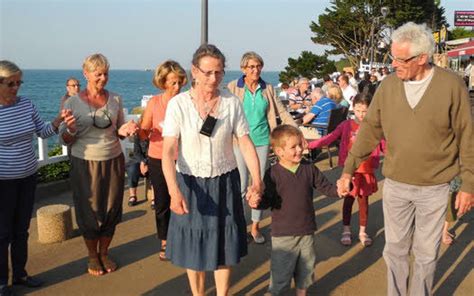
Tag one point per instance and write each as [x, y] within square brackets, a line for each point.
[71, 133]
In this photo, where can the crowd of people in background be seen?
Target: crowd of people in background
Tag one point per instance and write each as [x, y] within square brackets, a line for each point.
[206, 152]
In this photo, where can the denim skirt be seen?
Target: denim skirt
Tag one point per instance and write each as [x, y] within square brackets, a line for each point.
[213, 233]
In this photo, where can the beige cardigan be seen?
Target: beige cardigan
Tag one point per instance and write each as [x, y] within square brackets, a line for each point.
[275, 107]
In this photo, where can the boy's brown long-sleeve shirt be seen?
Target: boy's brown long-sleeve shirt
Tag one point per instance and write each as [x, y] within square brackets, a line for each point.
[290, 195]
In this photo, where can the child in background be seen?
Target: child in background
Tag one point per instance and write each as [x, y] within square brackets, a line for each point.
[289, 192]
[364, 181]
[136, 168]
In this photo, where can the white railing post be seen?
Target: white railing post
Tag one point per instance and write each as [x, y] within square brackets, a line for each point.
[43, 150]
[64, 150]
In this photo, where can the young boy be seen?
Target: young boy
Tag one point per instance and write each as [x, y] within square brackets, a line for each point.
[289, 192]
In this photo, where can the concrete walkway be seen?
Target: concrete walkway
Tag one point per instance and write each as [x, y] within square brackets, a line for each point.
[340, 270]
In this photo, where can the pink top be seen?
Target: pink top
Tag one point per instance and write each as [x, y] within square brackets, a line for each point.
[344, 131]
[158, 106]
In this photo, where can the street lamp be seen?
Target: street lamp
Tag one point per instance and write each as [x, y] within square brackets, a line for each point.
[379, 40]
[204, 21]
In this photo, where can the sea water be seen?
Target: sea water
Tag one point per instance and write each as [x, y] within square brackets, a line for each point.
[46, 87]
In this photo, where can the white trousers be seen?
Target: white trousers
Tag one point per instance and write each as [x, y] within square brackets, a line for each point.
[413, 218]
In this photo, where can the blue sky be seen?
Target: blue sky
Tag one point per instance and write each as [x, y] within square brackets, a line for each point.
[139, 34]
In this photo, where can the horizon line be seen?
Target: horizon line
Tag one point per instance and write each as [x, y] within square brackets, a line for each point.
[144, 70]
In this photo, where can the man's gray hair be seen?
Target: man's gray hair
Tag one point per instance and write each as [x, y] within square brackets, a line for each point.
[302, 79]
[419, 36]
[318, 92]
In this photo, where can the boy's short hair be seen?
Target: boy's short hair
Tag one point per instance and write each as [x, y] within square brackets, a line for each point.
[281, 132]
[364, 98]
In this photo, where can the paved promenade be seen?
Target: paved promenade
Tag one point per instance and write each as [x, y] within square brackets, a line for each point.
[340, 270]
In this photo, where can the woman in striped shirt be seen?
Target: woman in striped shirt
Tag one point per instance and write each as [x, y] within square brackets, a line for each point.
[19, 121]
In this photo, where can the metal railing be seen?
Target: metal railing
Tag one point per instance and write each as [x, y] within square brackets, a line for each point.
[43, 149]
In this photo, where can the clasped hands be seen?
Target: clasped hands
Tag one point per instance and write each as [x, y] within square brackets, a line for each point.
[128, 129]
[254, 194]
[344, 185]
[67, 117]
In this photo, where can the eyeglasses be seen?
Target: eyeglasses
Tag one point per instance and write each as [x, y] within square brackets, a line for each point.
[74, 85]
[13, 83]
[102, 125]
[253, 67]
[173, 83]
[403, 61]
[208, 74]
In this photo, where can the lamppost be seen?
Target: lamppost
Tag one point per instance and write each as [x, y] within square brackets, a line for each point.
[382, 37]
[204, 22]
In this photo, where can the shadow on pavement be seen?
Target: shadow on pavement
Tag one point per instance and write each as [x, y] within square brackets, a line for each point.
[124, 255]
[257, 262]
[463, 244]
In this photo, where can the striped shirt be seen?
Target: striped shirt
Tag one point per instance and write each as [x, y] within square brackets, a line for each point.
[18, 123]
[322, 110]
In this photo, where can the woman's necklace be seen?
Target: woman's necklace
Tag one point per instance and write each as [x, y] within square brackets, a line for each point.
[204, 107]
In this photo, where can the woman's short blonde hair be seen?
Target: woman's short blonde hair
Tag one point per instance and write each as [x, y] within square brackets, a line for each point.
[248, 56]
[8, 69]
[95, 61]
[335, 93]
[165, 68]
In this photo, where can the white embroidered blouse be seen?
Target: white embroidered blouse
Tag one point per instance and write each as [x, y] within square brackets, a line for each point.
[199, 155]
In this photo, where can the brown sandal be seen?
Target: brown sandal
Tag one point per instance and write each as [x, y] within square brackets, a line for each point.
[109, 265]
[365, 239]
[448, 238]
[94, 267]
[162, 254]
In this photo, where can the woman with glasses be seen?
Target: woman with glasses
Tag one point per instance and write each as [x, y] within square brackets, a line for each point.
[97, 161]
[73, 87]
[19, 122]
[261, 108]
[169, 77]
[207, 226]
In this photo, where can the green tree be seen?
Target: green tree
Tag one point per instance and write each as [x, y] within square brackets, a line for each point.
[460, 32]
[307, 65]
[357, 29]
[54, 171]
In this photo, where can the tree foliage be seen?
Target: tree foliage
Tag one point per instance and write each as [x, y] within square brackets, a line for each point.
[356, 28]
[307, 65]
[460, 32]
[54, 171]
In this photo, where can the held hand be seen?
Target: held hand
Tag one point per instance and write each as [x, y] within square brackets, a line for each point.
[258, 186]
[178, 204]
[59, 118]
[464, 202]
[128, 129]
[133, 128]
[69, 120]
[253, 198]
[305, 144]
[343, 185]
[143, 168]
